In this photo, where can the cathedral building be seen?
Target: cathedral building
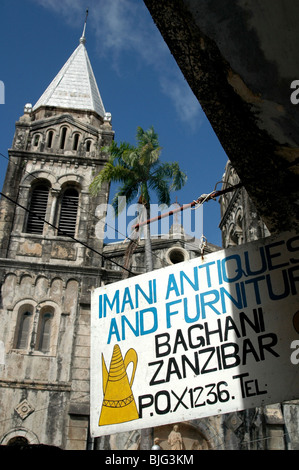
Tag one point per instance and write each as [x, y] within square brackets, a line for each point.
[49, 268]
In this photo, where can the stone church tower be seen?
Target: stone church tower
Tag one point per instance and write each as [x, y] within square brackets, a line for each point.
[47, 269]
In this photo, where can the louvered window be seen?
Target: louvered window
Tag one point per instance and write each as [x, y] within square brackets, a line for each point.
[38, 209]
[24, 329]
[45, 332]
[68, 213]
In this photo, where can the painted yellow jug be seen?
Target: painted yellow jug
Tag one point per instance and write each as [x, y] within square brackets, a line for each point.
[118, 403]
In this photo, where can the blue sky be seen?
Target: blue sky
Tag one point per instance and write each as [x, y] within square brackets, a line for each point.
[139, 81]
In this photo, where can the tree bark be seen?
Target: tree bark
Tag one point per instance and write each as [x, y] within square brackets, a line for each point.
[147, 440]
[147, 244]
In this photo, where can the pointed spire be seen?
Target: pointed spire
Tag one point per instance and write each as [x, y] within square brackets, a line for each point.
[74, 86]
[83, 39]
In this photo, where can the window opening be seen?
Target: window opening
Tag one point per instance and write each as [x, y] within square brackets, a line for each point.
[176, 255]
[68, 213]
[24, 329]
[63, 136]
[38, 209]
[50, 139]
[88, 145]
[36, 140]
[45, 332]
[76, 142]
[18, 441]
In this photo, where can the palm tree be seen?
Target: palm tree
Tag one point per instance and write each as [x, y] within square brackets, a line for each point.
[140, 172]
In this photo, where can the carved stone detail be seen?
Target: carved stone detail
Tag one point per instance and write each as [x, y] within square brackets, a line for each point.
[24, 409]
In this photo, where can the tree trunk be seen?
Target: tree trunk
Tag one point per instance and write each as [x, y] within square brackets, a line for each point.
[147, 439]
[147, 244]
[128, 258]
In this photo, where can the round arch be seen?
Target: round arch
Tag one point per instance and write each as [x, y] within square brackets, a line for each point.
[70, 180]
[21, 433]
[38, 177]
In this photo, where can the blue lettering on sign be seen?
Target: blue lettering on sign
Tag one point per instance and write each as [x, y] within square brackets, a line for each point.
[145, 322]
[235, 281]
[121, 301]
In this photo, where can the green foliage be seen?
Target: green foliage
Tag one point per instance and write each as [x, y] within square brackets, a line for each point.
[139, 170]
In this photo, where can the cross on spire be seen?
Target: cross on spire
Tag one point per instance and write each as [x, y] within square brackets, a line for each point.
[83, 39]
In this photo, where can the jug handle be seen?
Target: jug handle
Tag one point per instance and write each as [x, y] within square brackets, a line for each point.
[131, 356]
[104, 374]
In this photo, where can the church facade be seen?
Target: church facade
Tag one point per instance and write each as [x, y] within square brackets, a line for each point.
[48, 269]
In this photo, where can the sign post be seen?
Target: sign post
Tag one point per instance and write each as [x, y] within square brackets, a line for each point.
[212, 335]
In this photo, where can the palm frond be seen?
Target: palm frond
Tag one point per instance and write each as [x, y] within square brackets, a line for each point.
[145, 137]
[149, 155]
[161, 187]
[173, 173]
[109, 173]
[140, 170]
[179, 178]
[124, 195]
[131, 158]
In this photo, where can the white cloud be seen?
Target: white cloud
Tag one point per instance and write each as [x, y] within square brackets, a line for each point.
[122, 26]
[185, 103]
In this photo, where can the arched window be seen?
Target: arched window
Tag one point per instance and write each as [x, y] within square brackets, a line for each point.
[76, 141]
[18, 441]
[50, 139]
[44, 332]
[24, 330]
[36, 328]
[88, 145]
[68, 212]
[38, 209]
[36, 140]
[63, 137]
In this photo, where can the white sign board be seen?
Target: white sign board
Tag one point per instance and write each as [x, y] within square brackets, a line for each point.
[212, 335]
